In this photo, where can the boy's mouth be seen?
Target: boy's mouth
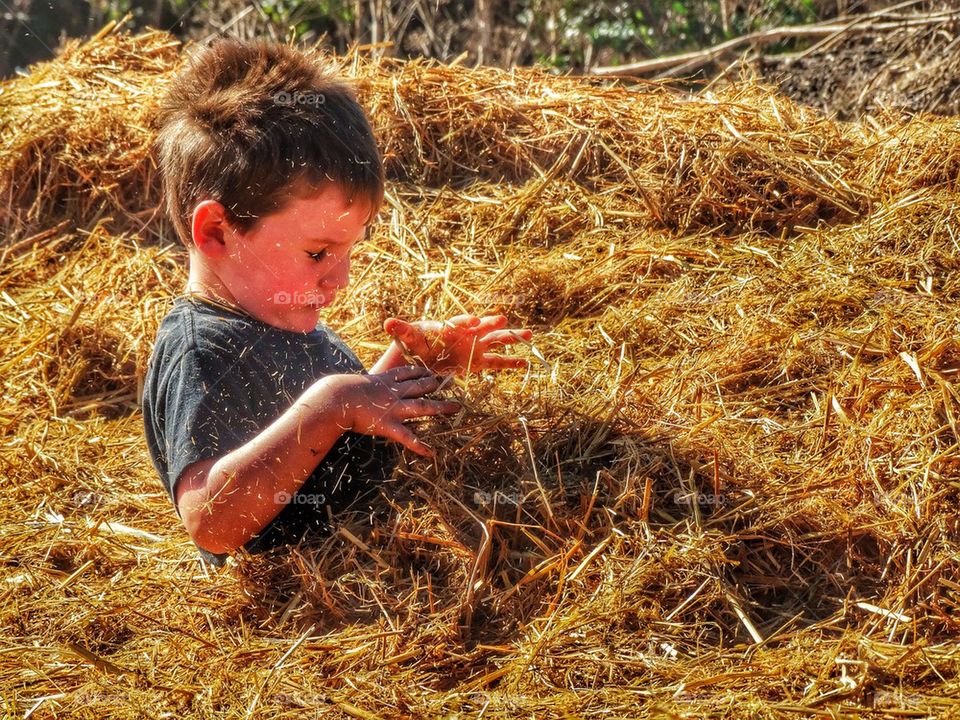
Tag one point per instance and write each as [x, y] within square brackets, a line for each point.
[320, 302]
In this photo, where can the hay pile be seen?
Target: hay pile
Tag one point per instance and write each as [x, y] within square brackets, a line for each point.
[729, 489]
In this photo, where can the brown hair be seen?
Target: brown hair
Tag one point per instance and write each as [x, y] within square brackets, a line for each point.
[248, 124]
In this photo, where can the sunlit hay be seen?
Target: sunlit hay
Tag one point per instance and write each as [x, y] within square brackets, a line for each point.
[745, 156]
[909, 154]
[680, 155]
[725, 485]
[910, 240]
[83, 322]
[76, 132]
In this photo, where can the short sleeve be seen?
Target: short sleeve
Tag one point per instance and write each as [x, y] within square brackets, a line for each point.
[207, 412]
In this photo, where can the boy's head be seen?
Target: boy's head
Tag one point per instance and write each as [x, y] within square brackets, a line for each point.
[259, 145]
[244, 123]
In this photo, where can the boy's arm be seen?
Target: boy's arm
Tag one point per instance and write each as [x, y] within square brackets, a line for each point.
[226, 501]
[391, 358]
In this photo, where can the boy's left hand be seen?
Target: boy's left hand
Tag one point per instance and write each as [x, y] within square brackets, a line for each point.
[461, 343]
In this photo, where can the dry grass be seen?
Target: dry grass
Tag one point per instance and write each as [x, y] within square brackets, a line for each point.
[728, 489]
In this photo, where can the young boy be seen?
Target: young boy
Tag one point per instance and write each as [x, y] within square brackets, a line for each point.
[261, 423]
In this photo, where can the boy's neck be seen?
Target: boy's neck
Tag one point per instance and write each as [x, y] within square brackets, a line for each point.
[203, 282]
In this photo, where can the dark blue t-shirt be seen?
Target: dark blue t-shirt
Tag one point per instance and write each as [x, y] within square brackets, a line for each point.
[218, 377]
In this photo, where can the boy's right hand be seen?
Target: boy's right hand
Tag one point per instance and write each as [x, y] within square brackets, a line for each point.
[378, 404]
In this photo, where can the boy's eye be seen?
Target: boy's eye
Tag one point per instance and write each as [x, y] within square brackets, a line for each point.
[317, 256]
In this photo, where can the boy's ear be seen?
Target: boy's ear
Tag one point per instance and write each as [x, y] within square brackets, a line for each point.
[209, 227]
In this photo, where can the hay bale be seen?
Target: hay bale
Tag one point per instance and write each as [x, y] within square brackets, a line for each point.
[730, 483]
[75, 134]
[745, 157]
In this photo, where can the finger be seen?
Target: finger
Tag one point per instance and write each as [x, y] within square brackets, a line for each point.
[405, 373]
[419, 387]
[491, 361]
[410, 409]
[410, 337]
[456, 328]
[396, 326]
[506, 337]
[491, 322]
[399, 329]
[398, 432]
[463, 321]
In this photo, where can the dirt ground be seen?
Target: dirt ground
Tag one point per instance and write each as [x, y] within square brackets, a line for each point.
[903, 71]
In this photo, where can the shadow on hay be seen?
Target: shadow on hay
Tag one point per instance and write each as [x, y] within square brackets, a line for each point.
[477, 548]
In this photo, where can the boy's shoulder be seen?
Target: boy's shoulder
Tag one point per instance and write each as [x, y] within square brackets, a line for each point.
[231, 338]
[194, 324]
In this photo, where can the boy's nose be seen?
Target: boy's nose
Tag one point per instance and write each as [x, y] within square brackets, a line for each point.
[339, 275]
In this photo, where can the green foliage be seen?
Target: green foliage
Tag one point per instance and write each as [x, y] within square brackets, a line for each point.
[558, 33]
[305, 15]
[567, 33]
[300, 16]
[116, 9]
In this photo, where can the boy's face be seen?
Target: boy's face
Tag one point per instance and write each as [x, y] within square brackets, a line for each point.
[292, 263]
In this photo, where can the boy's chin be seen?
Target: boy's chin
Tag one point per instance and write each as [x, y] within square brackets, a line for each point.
[304, 319]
